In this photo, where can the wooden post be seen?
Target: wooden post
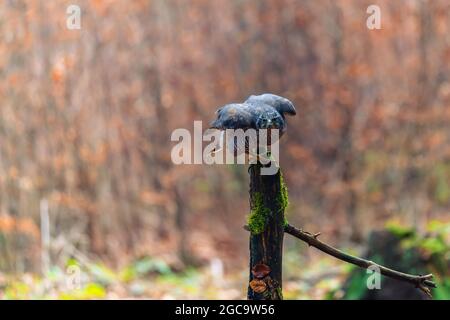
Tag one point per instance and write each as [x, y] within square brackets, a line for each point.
[268, 200]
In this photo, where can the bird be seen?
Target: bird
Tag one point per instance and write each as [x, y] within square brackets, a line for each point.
[264, 111]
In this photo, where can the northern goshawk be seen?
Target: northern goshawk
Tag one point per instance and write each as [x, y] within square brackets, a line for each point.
[265, 111]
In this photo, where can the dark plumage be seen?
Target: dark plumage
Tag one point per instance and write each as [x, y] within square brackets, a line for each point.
[265, 111]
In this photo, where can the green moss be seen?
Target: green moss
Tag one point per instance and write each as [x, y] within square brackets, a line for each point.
[280, 293]
[285, 222]
[258, 215]
[283, 197]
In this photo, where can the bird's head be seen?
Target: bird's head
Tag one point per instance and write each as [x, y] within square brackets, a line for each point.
[285, 106]
[269, 121]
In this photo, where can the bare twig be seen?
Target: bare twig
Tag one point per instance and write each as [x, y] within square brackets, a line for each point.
[423, 282]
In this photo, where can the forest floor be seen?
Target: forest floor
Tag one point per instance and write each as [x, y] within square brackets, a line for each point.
[307, 273]
[150, 278]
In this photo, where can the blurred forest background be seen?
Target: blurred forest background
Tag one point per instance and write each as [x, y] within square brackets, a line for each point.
[86, 116]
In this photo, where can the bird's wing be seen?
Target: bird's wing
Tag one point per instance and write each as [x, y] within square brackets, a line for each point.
[282, 105]
[234, 116]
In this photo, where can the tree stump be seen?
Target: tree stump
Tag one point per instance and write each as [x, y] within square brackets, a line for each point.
[268, 200]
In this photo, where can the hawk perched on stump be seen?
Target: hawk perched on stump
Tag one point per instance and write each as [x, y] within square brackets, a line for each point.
[265, 111]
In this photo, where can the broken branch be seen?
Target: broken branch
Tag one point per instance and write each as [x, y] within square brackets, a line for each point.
[423, 282]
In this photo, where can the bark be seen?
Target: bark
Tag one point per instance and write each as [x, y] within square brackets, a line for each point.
[266, 223]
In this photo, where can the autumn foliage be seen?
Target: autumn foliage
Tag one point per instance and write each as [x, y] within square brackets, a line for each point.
[86, 118]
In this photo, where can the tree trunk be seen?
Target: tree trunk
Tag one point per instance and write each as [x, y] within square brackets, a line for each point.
[268, 199]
